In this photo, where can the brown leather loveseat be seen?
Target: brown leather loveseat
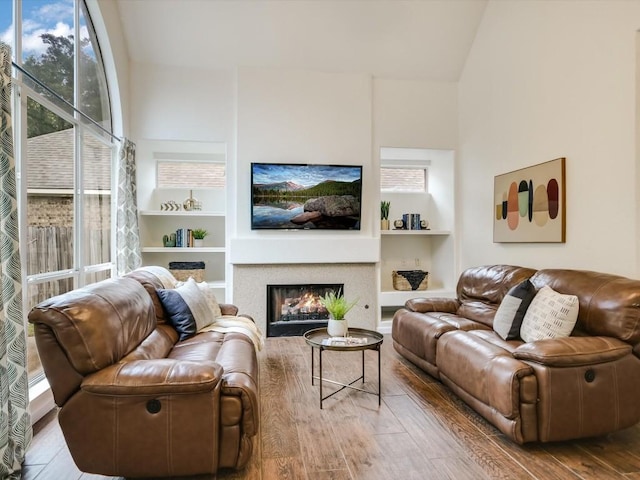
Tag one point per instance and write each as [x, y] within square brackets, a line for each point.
[134, 400]
[583, 385]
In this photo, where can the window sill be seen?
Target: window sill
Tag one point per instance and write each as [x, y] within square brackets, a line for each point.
[40, 400]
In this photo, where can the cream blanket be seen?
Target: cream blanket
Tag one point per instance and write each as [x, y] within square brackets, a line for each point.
[230, 323]
[162, 274]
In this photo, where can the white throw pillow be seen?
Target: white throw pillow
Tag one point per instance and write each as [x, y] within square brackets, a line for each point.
[550, 315]
[209, 295]
[212, 301]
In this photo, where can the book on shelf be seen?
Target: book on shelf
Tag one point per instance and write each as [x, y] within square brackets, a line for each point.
[184, 237]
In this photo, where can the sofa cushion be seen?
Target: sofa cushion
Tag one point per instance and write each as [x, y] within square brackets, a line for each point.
[187, 308]
[481, 290]
[210, 297]
[419, 332]
[512, 309]
[152, 278]
[125, 314]
[550, 315]
[485, 371]
[608, 303]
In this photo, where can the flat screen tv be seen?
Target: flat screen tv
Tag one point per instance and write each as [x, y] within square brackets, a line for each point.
[287, 196]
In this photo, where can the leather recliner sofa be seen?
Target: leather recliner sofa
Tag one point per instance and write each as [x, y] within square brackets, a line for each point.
[134, 400]
[584, 385]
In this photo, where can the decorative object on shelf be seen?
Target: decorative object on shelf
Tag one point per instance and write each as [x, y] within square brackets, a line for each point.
[530, 204]
[338, 307]
[198, 236]
[384, 214]
[424, 224]
[398, 224]
[411, 221]
[169, 240]
[170, 206]
[410, 279]
[191, 203]
[183, 270]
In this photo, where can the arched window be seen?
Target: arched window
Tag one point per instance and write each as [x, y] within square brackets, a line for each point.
[64, 149]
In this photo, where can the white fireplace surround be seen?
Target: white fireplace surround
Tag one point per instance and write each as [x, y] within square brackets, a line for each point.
[250, 287]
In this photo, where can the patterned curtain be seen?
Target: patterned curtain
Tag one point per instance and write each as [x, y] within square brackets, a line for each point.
[15, 422]
[127, 234]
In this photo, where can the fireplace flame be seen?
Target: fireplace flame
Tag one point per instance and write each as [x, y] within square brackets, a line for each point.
[307, 303]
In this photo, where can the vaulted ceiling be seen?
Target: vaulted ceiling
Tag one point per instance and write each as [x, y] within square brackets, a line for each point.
[410, 39]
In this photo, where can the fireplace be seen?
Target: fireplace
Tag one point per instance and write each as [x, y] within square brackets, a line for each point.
[294, 309]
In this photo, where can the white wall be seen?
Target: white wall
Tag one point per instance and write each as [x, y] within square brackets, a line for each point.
[184, 104]
[187, 105]
[420, 114]
[547, 80]
[303, 117]
[415, 113]
[106, 22]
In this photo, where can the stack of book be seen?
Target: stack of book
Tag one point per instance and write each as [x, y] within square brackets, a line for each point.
[184, 237]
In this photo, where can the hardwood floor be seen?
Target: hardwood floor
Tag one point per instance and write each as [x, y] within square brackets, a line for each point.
[421, 431]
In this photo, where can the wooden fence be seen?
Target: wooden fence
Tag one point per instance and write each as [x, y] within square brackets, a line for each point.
[50, 249]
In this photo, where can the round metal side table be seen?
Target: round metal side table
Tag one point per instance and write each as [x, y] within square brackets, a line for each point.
[359, 339]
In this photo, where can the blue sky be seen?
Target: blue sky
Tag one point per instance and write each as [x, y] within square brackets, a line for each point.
[39, 16]
[305, 175]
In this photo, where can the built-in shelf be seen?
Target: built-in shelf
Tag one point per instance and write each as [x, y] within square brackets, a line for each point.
[414, 232]
[184, 249]
[182, 213]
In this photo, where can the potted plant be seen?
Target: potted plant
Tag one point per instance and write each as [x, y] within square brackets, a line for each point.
[198, 236]
[338, 307]
[384, 214]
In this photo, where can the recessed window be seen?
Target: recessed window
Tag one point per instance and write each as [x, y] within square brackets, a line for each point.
[404, 169]
[190, 174]
[409, 179]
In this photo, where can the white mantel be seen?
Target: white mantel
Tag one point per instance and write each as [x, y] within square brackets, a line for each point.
[295, 249]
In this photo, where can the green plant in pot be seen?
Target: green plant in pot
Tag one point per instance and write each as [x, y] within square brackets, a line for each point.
[338, 307]
[384, 214]
[198, 236]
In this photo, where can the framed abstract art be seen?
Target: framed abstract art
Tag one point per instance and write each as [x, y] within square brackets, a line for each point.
[529, 204]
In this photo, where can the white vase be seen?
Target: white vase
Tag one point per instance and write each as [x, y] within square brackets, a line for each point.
[337, 328]
[198, 242]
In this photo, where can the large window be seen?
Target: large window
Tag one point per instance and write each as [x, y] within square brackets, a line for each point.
[64, 149]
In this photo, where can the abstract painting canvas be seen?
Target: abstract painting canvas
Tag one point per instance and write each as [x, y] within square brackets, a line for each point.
[530, 204]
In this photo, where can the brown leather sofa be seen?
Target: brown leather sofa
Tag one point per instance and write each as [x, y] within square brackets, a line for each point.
[584, 385]
[136, 402]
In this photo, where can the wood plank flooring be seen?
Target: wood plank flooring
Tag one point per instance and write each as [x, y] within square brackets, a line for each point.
[421, 431]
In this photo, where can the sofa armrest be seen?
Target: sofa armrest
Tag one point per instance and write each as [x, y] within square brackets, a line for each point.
[228, 309]
[424, 305]
[573, 351]
[153, 377]
[238, 358]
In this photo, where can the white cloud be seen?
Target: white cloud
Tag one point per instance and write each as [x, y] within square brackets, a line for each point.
[7, 35]
[32, 44]
[55, 12]
[40, 21]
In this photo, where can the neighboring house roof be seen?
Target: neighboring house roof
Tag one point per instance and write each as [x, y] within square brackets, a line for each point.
[50, 162]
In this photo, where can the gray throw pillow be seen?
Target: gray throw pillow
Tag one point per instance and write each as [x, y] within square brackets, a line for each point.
[512, 309]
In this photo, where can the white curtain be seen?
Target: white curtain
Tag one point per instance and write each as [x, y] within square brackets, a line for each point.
[15, 422]
[128, 256]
